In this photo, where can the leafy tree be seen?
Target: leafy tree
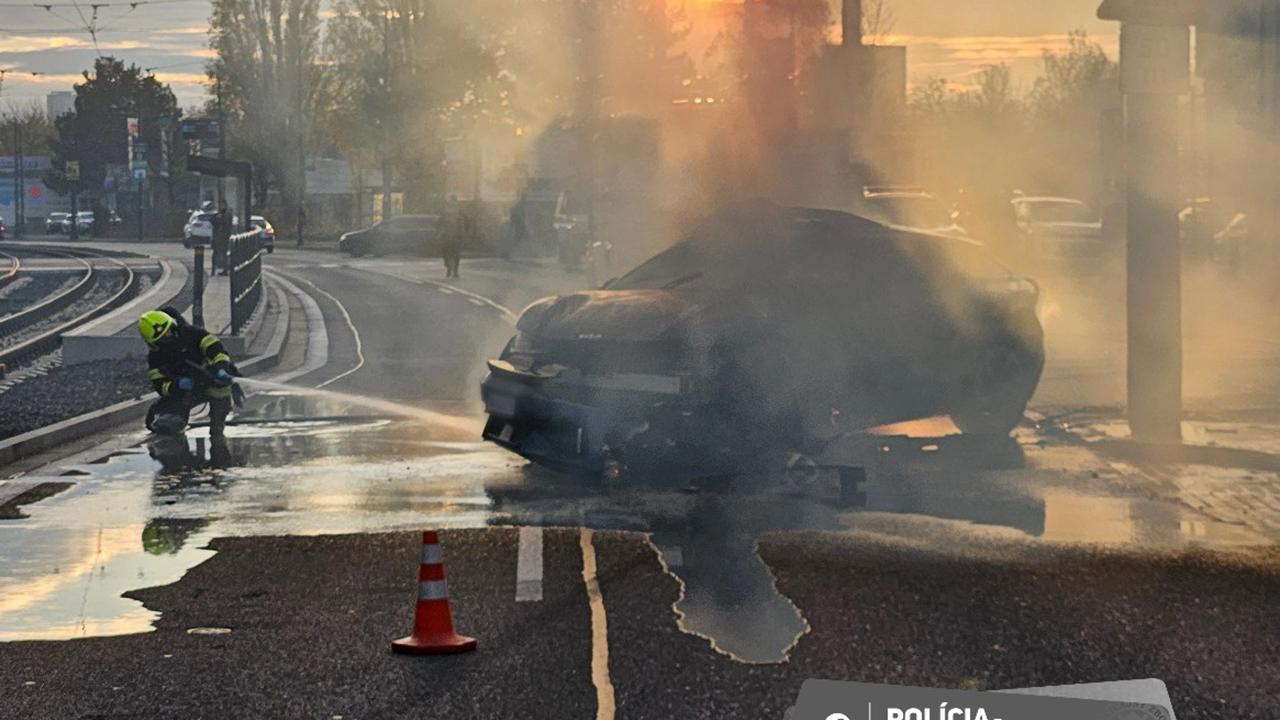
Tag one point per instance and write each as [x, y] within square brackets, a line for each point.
[270, 83]
[1075, 80]
[96, 134]
[407, 75]
[1071, 104]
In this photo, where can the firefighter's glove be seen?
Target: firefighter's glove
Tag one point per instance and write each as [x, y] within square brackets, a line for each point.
[222, 377]
[186, 384]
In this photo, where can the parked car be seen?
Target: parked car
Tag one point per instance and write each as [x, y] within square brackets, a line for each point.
[768, 330]
[1058, 225]
[83, 221]
[199, 229]
[2, 228]
[55, 222]
[266, 233]
[911, 208]
[414, 234]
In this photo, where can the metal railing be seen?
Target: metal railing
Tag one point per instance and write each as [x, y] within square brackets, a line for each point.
[245, 260]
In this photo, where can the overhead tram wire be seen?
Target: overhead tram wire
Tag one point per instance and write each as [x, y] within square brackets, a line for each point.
[133, 4]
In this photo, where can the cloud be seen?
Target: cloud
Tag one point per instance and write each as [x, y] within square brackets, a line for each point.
[36, 43]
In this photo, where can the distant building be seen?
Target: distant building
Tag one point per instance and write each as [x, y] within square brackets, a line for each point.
[59, 103]
[38, 199]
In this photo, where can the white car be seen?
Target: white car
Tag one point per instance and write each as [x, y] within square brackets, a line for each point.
[83, 222]
[909, 208]
[1057, 224]
[199, 229]
[266, 233]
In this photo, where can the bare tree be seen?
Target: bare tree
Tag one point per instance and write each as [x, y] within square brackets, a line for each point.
[878, 20]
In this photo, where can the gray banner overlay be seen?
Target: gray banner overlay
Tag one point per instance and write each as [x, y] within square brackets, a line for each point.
[834, 700]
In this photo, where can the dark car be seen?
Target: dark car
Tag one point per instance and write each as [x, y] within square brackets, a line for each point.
[413, 234]
[768, 329]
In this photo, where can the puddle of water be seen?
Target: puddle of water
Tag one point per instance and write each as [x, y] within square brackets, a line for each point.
[730, 600]
[76, 590]
[141, 518]
[1078, 518]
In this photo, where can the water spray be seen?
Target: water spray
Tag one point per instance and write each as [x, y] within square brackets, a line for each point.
[410, 412]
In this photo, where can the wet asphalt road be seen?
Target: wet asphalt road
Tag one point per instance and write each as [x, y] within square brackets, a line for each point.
[975, 578]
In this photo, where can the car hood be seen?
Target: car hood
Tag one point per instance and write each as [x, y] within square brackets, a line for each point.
[610, 315]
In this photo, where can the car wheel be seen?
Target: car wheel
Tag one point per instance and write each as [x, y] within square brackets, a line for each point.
[995, 401]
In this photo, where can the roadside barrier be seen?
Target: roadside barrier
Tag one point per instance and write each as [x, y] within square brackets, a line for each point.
[433, 632]
[245, 256]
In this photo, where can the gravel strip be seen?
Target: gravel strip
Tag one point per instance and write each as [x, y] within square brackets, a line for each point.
[67, 392]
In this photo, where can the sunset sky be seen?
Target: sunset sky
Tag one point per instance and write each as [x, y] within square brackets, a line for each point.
[947, 38]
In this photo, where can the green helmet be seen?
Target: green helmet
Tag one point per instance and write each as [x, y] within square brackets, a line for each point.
[155, 325]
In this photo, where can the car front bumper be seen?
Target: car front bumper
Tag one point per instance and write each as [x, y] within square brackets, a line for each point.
[564, 420]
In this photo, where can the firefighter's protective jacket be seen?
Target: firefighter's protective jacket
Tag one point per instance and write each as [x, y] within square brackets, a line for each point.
[193, 346]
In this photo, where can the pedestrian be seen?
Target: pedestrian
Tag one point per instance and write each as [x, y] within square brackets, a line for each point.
[221, 240]
[452, 236]
[302, 224]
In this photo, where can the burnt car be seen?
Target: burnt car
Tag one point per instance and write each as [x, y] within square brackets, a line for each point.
[768, 330]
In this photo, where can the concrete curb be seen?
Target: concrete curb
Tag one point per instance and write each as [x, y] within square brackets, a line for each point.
[47, 438]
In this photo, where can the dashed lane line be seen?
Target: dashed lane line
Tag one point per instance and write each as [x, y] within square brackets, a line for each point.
[529, 565]
[507, 313]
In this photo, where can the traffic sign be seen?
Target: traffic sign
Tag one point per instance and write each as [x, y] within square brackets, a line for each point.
[73, 169]
[140, 174]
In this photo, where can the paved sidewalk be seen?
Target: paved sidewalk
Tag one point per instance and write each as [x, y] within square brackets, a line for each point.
[1228, 471]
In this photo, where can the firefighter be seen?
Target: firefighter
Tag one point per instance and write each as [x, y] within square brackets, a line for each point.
[188, 366]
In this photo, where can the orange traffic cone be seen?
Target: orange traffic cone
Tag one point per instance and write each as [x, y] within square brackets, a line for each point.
[432, 619]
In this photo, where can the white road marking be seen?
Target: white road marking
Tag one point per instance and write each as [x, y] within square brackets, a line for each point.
[605, 707]
[529, 565]
[507, 313]
[354, 333]
[474, 301]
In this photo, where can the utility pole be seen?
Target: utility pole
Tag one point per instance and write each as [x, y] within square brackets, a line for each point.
[386, 125]
[17, 177]
[19, 195]
[222, 134]
[301, 132]
[1155, 70]
[589, 109]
